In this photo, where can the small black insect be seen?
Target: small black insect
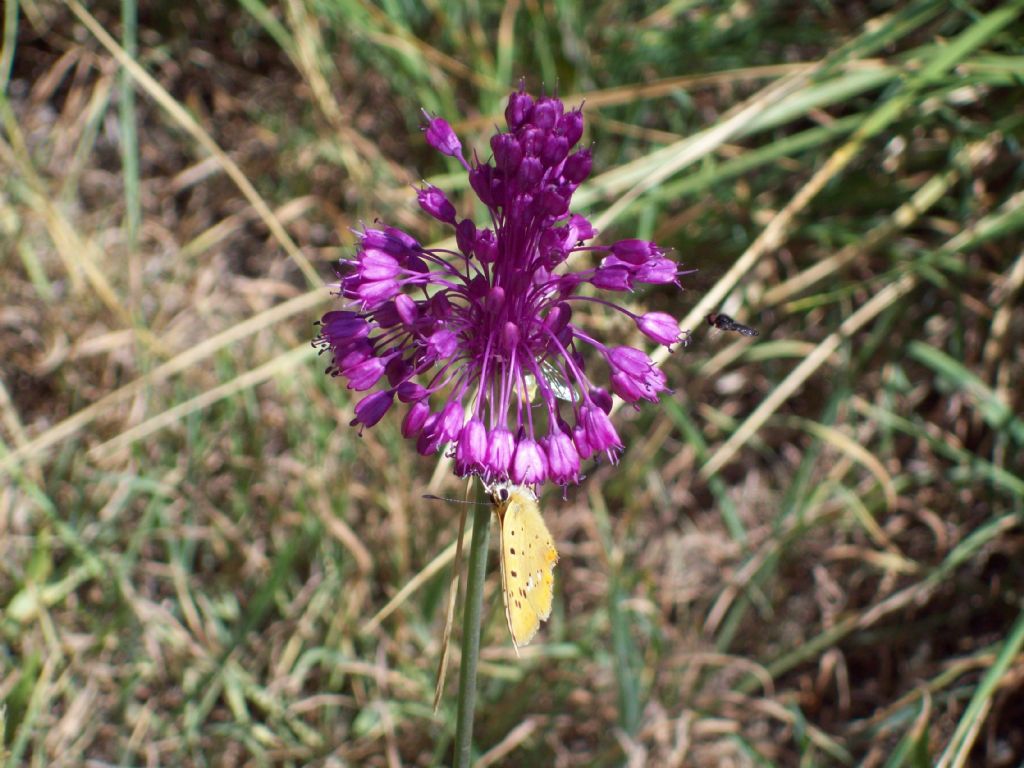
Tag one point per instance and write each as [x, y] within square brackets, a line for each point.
[726, 323]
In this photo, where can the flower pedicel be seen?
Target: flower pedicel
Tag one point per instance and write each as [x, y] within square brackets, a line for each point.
[463, 336]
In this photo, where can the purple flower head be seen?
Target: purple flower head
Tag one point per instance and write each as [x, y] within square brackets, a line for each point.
[484, 343]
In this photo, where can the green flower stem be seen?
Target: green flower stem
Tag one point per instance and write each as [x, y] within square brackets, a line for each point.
[471, 634]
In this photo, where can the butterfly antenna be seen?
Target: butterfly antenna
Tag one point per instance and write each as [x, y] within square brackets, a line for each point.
[432, 497]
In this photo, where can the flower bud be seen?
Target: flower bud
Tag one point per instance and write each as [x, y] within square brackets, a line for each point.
[634, 375]
[546, 113]
[415, 418]
[571, 126]
[372, 408]
[519, 109]
[472, 447]
[553, 202]
[600, 435]
[411, 392]
[440, 345]
[398, 369]
[579, 439]
[480, 181]
[601, 399]
[508, 152]
[510, 337]
[659, 327]
[407, 309]
[558, 318]
[612, 278]
[530, 172]
[440, 136]
[563, 459]
[343, 326]
[635, 251]
[658, 271]
[465, 236]
[486, 247]
[554, 150]
[364, 375]
[500, 447]
[435, 202]
[377, 265]
[429, 438]
[450, 423]
[375, 293]
[577, 166]
[532, 141]
[529, 466]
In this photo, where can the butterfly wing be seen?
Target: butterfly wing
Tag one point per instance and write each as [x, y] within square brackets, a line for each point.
[528, 558]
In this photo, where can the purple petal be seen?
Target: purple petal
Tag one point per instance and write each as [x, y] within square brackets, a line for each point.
[500, 447]
[519, 109]
[563, 459]
[472, 448]
[440, 136]
[415, 418]
[436, 203]
[635, 251]
[365, 375]
[372, 408]
[660, 327]
[529, 466]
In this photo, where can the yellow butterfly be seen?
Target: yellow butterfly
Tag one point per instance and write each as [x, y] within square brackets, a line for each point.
[528, 558]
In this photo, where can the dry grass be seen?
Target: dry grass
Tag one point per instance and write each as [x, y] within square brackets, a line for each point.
[811, 553]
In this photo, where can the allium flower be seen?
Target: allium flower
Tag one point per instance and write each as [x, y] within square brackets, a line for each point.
[480, 341]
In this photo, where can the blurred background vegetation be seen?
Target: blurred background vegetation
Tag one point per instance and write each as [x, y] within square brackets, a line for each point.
[810, 554]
